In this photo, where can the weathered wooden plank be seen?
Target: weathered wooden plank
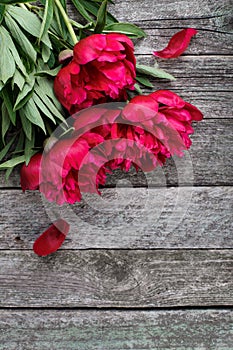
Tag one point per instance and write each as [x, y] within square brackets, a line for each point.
[141, 10]
[203, 73]
[95, 330]
[116, 278]
[208, 162]
[161, 19]
[125, 218]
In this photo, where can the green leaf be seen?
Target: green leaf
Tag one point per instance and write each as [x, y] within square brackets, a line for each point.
[93, 8]
[5, 121]
[28, 148]
[26, 124]
[29, 21]
[101, 17]
[49, 72]
[32, 114]
[21, 38]
[6, 93]
[7, 62]
[138, 89]
[125, 28]
[45, 91]
[2, 11]
[40, 104]
[47, 18]
[18, 80]
[13, 50]
[12, 162]
[154, 72]
[20, 144]
[9, 2]
[8, 173]
[144, 81]
[46, 52]
[81, 9]
[5, 150]
[25, 94]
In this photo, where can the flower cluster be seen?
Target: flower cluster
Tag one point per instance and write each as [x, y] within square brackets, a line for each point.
[143, 132]
[147, 131]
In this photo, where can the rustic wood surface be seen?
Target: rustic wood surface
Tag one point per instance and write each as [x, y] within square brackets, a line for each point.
[114, 330]
[116, 278]
[160, 261]
[125, 218]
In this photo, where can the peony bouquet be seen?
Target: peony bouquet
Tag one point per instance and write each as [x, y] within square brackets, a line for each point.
[72, 102]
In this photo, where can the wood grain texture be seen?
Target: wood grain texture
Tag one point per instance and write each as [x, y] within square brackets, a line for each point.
[104, 330]
[161, 19]
[125, 218]
[195, 73]
[208, 162]
[116, 278]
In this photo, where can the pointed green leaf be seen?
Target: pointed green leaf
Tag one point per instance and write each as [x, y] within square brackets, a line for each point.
[25, 94]
[125, 28]
[6, 93]
[21, 38]
[81, 9]
[28, 148]
[5, 121]
[7, 62]
[12, 162]
[101, 17]
[32, 114]
[49, 72]
[29, 21]
[18, 80]
[40, 104]
[5, 150]
[144, 81]
[154, 72]
[47, 18]
[26, 124]
[2, 11]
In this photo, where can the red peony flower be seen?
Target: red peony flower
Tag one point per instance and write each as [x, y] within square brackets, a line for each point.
[29, 174]
[102, 68]
[178, 44]
[52, 238]
[179, 114]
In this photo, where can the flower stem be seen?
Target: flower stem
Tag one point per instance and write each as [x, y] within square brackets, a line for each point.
[67, 21]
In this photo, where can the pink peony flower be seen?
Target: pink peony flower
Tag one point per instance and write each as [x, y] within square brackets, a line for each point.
[102, 68]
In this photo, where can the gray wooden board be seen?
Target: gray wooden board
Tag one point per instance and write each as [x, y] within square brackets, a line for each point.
[116, 330]
[116, 278]
[208, 162]
[199, 217]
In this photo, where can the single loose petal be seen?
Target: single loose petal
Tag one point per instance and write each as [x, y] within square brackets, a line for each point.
[178, 44]
[52, 238]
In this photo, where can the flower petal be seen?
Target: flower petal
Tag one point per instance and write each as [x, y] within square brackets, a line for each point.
[178, 44]
[52, 238]
[88, 49]
[29, 174]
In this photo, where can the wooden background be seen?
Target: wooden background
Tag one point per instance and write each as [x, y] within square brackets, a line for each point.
[155, 272]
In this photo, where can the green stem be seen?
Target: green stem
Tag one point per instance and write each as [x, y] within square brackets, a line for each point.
[67, 21]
